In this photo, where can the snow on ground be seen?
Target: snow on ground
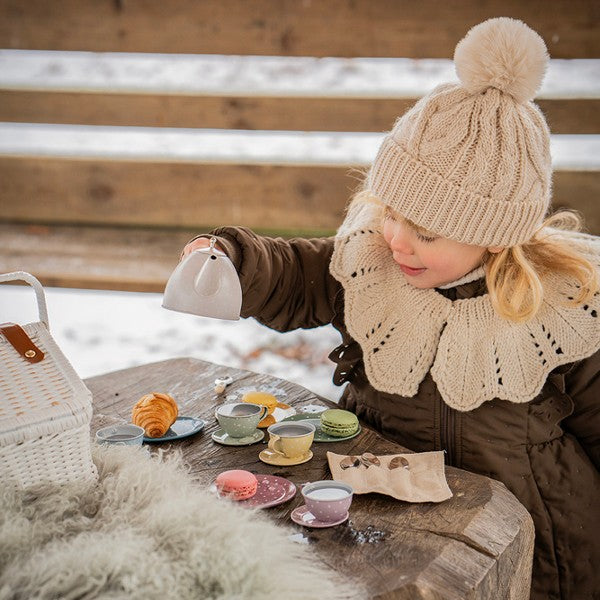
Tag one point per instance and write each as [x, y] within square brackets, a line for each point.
[102, 331]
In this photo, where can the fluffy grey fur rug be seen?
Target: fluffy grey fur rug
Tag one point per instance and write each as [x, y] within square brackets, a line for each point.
[147, 531]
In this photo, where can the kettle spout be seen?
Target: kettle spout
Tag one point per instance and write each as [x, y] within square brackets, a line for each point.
[208, 280]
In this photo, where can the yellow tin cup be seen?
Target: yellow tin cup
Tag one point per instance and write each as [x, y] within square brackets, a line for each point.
[292, 439]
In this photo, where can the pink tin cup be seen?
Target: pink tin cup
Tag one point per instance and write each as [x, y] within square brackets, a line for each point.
[328, 500]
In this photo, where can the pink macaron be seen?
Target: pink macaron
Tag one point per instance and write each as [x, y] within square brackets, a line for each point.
[236, 484]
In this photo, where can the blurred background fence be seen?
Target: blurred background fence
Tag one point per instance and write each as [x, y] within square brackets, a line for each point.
[128, 126]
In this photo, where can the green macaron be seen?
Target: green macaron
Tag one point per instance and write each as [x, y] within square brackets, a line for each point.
[338, 422]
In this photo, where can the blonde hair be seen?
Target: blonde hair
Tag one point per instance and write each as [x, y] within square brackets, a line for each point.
[515, 275]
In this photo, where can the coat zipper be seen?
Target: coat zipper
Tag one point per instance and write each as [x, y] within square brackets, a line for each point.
[447, 431]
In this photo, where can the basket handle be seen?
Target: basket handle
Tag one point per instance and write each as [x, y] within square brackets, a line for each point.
[37, 286]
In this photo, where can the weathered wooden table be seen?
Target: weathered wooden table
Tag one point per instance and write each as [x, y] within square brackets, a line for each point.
[478, 544]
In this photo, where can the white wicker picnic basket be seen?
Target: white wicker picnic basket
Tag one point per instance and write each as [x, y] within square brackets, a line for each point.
[45, 408]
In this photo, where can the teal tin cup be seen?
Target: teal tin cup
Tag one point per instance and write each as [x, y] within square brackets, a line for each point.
[122, 435]
[240, 419]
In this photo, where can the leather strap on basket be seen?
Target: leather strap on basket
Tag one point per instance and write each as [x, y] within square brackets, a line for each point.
[21, 342]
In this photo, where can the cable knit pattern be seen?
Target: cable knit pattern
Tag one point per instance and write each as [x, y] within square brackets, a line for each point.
[482, 177]
[473, 354]
[471, 161]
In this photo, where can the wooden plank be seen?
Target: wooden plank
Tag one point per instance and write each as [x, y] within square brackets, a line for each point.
[136, 260]
[286, 27]
[253, 92]
[187, 195]
[98, 257]
[302, 114]
[572, 116]
[157, 194]
[579, 192]
[141, 259]
[476, 545]
[252, 113]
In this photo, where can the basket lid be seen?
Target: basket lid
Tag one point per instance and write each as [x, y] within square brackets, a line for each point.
[39, 398]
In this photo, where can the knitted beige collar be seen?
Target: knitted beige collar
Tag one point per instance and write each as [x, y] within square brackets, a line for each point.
[473, 354]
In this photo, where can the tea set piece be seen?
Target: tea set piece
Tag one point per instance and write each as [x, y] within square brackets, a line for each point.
[221, 383]
[289, 444]
[398, 462]
[273, 458]
[123, 434]
[339, 423]
[326, 504]
[205, 283]
[301, 515]
[268, 400]
[369, 460]
[272, 490]
[412, 477]
[320, 435]
[238, 424]
[182, 427]
[253, 491]
[269, 396]
[157, 415]
[350, 461]
[220, 436]
[313, 409]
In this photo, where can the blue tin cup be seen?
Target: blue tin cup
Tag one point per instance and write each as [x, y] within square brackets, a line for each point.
[122, 435]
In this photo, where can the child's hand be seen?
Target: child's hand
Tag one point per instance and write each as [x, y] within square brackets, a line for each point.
[197, 245]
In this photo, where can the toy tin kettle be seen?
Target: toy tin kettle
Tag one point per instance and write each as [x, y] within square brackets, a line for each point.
[206, 284]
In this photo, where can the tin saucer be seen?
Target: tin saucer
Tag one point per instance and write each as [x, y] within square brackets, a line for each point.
[182, 428]
[221, 437]
[272, 458]
[302, 516]
[272, 490]
[320, 435]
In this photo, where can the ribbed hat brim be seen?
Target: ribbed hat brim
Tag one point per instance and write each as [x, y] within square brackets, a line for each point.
[449, 210]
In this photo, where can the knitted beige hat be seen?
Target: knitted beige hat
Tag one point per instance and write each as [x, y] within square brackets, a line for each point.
[471, 161]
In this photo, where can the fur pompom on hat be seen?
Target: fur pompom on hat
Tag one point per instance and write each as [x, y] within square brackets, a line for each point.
[471, 161]
[504, 54]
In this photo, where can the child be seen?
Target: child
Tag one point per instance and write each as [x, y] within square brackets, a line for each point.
[469, 323]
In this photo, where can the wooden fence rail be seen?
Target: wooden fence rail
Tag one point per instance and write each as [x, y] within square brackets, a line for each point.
[424, 29]
[110, 161]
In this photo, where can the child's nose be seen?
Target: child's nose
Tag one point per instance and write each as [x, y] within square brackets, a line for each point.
[401, 243]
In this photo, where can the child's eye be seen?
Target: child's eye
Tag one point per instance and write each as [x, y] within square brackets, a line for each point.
[389, 216]
[425, 238]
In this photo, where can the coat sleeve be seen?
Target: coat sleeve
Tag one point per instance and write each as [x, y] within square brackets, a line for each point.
[583, 386]
[286, 284]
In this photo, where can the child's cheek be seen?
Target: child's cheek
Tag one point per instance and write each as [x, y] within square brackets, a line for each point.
[443, 263]
[436, 260]
[387, 236]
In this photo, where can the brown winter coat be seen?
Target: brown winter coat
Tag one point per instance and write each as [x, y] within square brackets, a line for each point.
[545, 451]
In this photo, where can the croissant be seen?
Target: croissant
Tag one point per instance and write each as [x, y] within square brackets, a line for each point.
[155, 413]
